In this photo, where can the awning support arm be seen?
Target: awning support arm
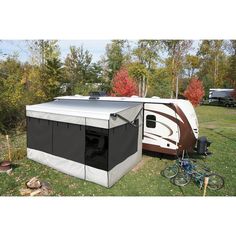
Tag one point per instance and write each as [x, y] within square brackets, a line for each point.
[123, 118]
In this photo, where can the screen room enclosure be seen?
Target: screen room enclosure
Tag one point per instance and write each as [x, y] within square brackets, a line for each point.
[91, 140]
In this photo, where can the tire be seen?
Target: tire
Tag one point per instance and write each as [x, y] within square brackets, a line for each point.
[202, 168]
[215, 182]
[182, 179]
[170, 171]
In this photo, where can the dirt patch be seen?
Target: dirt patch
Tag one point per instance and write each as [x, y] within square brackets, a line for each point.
[232, 111]
[141, 164]
[210, 126]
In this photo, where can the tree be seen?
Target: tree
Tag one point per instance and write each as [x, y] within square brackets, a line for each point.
[82, 74]
[232, 64]
[45, 58]
[147, 55]
[160, 83]
[53, 78]
[12, 93]
[77, 68]
[116, 56]
[141, 75]
[176, 49]
[213, 64]
[43, 50]
[192, 64]
[195, 91]
[33, 82]
[123, 84]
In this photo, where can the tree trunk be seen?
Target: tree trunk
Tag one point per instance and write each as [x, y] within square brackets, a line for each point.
[139, 88]
[177, 87]
[146, 88]
[214, 74]
[173, 78]
[143, 87]
[216, 69]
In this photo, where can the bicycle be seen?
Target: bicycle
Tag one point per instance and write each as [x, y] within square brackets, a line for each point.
[215, 181]
[171, 171]
[184, 170]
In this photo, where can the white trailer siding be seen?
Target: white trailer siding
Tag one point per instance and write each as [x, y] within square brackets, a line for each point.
[165, 133]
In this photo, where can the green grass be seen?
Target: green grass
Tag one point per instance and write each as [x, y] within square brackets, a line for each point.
[217, 123]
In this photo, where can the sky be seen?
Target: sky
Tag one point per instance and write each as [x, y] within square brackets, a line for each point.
[96, 47]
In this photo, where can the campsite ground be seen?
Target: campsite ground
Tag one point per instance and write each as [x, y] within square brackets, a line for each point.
[217, 123]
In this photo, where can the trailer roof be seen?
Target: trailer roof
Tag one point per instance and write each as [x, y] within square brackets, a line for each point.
[220, 89]
[124, 99]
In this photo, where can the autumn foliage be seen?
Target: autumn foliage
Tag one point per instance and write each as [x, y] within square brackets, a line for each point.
[195, 91]
[123, 84]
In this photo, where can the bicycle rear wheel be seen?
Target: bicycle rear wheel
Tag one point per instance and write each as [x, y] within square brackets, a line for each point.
[202, 167]
[170, 171]
[182, 179]
[215, 181]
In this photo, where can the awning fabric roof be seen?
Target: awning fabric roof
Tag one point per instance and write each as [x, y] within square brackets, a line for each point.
[85, 112]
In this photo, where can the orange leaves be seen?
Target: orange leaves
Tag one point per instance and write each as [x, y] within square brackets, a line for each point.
[195, 91]
[123, 84]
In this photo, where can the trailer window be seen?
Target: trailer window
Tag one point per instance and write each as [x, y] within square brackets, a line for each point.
[151, 121]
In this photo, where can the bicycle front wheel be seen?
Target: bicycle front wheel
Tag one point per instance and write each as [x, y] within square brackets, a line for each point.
[182, 179]
[170, 171]
[215, 182]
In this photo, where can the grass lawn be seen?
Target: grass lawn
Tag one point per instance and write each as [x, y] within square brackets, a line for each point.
[217, 123]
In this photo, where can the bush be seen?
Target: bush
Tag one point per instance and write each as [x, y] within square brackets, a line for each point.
[195, 91]
[123, 84]
[19, 153]
[17, 146]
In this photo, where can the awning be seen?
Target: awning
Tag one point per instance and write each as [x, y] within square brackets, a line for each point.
[86, 112]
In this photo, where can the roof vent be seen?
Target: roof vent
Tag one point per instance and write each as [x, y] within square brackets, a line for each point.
[94, 97]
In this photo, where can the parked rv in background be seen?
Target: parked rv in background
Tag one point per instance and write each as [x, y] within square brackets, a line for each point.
[221, 97]
[220, 93]
[170, 126]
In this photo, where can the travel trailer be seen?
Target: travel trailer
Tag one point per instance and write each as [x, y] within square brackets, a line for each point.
[216, 94]
[170, 126]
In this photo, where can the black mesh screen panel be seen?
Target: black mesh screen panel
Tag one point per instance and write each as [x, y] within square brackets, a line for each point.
[39, 134]
[96, 148]
[69, 141]
[123, 142]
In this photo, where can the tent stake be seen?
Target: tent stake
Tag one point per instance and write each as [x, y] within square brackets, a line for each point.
[205, 185]
[8, 147]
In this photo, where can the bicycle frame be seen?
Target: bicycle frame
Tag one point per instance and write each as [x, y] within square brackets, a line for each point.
[187, 166]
